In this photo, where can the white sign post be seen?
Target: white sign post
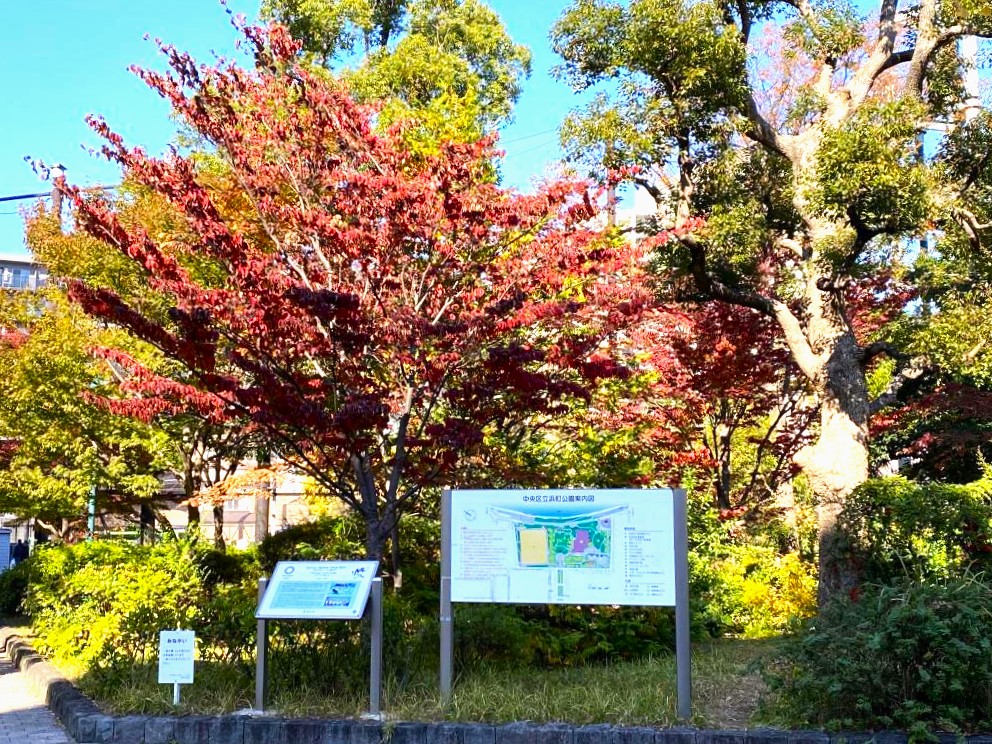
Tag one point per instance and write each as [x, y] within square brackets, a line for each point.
[571, 546]
[175, 659]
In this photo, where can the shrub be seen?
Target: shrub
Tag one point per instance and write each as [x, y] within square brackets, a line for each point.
[896, 527]
[99, 602]
[754, 591]
[230, 566]
[225, 625]
[13, 586]
[487, 634]
[910, 655]
[741, 581]
[328, 538]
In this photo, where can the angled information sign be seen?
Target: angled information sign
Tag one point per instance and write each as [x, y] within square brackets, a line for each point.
[317, 590]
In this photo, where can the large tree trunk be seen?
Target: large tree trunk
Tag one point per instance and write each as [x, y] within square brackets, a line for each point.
[838, 462]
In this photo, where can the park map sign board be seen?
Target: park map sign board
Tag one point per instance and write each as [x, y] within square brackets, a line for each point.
[317, 590]
[572, 546]
[602, 547]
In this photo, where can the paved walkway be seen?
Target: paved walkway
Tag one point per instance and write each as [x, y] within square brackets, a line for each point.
[24, 718]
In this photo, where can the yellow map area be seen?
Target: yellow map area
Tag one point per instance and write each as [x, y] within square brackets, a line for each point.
[534, 547]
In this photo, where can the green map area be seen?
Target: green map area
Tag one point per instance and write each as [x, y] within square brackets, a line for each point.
[584, 544]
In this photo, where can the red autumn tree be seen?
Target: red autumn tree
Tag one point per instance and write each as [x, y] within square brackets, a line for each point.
[739, 373]
[372, 311]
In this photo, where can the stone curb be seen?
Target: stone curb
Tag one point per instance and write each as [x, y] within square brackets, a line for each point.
[88, 725]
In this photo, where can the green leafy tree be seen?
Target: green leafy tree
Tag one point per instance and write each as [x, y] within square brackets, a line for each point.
[58, 441]
[788, 204]
[202, 452]
[449, 66]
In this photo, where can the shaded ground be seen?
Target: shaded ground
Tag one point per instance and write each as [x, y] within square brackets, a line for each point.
[730, 697]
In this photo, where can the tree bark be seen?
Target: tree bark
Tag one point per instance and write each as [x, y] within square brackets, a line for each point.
[192, 519]
[219, 542]
[261, 518]
[837, 462]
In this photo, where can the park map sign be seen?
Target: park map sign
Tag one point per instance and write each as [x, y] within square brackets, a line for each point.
[606, 546]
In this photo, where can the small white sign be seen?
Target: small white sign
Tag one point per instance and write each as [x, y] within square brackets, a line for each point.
[317, 590]
[175, 656]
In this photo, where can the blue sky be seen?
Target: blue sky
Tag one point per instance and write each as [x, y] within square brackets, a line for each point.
[63, 59]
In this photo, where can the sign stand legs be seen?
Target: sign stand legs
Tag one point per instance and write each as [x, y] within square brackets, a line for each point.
[683, 657]
[175, 694]
[375, 672]
[445, 618]
[261, 654]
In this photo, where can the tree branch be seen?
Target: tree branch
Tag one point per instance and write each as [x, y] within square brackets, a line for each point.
[912, 371]
[877, 349]
[712, 288]
[657, 194]
[881, 57]
[763, 132]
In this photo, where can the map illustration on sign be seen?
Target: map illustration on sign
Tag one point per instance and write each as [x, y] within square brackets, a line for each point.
[329, 590]
[568, 546]
[581, 539]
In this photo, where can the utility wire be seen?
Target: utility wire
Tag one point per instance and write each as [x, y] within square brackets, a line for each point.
[527, 137]
[20, 197]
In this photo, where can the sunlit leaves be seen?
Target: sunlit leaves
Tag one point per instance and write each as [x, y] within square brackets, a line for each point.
[65, 441]
[681, 55]
[830, 30]
[448, 67]
[378, 311]
[870, 166]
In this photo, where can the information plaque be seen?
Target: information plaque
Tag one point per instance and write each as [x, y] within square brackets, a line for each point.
[597, 546]
[317, 590]
[175, 656]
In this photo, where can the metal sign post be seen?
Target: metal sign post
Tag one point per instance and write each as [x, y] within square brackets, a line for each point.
[375, 671]
[445, 619]
[320, 590]
[683, 657]
[261, 653]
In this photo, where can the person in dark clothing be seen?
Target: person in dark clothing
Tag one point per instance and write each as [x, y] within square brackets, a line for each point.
[19, 552]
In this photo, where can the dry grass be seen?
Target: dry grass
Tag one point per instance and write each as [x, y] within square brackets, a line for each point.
[726, 692]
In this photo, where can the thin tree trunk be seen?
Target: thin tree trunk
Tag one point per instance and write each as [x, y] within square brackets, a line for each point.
[394, 547]
[192, 520]
[146, 521]
[219, 527]
[261, 518]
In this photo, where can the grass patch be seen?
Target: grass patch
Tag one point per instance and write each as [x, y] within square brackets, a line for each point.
[726, 691]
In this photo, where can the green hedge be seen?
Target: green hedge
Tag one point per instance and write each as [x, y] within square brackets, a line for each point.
[912, 655]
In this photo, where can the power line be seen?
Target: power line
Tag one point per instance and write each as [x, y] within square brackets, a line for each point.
[21, 197]
[527, 137]
[24, 196]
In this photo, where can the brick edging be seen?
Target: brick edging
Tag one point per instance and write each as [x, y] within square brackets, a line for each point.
[88, 725]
